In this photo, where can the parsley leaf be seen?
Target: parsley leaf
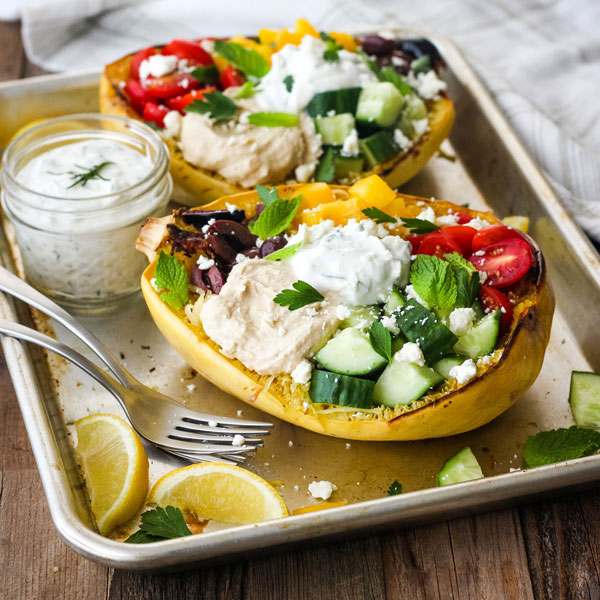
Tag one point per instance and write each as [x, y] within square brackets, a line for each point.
[274, 119]
[378, 215]
[208, 74]
[275, 218]
[218, 106]
[331, 53]
[434, 281]
[284, 252]
[160, 524]
[381, 340]
[302, 294]
[467, 279]
[421, 64]
[266, 194]
[250, 62]
[326, 168]
[560, 444]
[394, 489]
[247, 90]
[170, 275]
[288, 82]
[419, 226]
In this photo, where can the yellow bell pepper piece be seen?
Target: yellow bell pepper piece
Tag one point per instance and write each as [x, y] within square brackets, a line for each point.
[249, 44]
[285, 37]
[374, 190]
[267, 36]
[315, 194]
[303, 27]
[345, 40]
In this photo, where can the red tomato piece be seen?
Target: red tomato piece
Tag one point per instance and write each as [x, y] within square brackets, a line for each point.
[504, 262]
[136, 61]
[138, 96]
[231, 77]
[462, 235]
[415, 241]
[438, 244]
[180, 102]
[190, 51]
[492, 234]
[171, 85]
[463, 218]
[492, 299]
[155, 113]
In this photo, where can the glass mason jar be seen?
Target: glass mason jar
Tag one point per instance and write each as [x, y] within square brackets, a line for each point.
[75, 238]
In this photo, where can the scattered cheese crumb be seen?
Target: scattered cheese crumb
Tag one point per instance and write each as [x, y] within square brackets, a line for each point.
[411, 353]
[465, 372]
[447, 220]
[191, 387]
[213, 424]
[302, 372]
[204, 262]
[390, 324]
[342, 311]
[321, 489]
[461, 320]
[427, 214]
[238, 440]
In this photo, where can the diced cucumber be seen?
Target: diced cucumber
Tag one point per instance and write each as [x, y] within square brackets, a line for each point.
[379, 103]
[584, 398]
[403, 382]
[478, 308]
[345, 165]
[398, 342]
[423, 327]
[362, 317]
[350, 353]
[342, 390]
[444, 365]
[338, 101]
[481, 338]
[463, 466]
[415, 108]
[394, 302]
[405, 125]
[379, 147]
[334, 130]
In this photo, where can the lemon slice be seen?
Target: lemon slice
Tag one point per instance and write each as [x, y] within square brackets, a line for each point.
[219, 492]
[115, 467]
[517, 222]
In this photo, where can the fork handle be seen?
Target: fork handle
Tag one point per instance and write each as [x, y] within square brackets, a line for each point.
[15, 286]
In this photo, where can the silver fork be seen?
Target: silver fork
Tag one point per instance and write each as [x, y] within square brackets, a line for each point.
[162, 421]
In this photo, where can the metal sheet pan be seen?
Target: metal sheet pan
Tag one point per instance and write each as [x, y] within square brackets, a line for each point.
[491, 170]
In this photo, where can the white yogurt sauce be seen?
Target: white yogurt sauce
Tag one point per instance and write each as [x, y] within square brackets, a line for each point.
[359, 261]
[311, 74]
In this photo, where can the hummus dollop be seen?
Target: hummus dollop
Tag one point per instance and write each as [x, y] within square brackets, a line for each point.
[262, 335]
[249, 154]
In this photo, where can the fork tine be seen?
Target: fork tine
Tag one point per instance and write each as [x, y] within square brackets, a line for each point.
[223, 430]
[215, 439]
[205, 457]
[201, 448]
[191, 416]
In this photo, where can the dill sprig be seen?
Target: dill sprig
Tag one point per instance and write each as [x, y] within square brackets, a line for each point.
[85, 174]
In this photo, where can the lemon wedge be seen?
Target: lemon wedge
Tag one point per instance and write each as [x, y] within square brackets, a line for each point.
[219, 492]
[517, 222]
[115, 466]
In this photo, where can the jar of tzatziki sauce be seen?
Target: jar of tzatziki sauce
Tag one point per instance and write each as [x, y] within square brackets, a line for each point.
[76, 190]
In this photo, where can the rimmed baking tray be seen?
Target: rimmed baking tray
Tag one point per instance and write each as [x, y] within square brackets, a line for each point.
[483, 164]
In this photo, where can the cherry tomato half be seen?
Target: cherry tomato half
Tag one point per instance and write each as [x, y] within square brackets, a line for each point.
[190, 51]
[492, 299]
[504, 262]
[155, 113]
[438, 244]
[136, 61]
[231, 77]
[492, 234]
[415, 241]
[462, 235]
[463, 218]
[138, 96]
[180, 102]
[171, 85]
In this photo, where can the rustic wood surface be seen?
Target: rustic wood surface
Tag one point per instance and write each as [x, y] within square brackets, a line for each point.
[545, 550]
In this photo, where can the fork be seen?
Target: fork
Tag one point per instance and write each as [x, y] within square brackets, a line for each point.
[156, 417]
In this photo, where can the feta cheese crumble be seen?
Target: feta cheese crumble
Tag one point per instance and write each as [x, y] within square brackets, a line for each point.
[302, 373]
[157, 65]
[402, 140]
[350, 145]
[204, 262]
[172, 122]
[461, 320]
[427, 214]
[321, 489]
[411, 294]
[464, 372]
[447, 220]
[411, 353]
[343, 312]
[238, 440]
[390, 324]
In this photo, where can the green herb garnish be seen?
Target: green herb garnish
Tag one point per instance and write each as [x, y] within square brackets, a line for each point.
[247, 90]
[556, 445]
[208, 74]
[467, 279]
[284, 252]
[170, 275]
[381, 340]
[433, 279]
[275, 218]
[333, 48]
[289, 82]
[421, 64]
[218, 106]
[302, 294]
[378, 215]
[266, 194]
[250, 62]
[326, 168]
[160, 524]
[387, 74]
[418, 226]
[394, 489]
[273, 119]
[153, 125]
[86, 174]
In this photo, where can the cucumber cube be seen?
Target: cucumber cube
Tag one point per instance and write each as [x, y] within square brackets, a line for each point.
[379, 103]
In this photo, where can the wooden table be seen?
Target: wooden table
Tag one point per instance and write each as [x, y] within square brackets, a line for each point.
[545, 550]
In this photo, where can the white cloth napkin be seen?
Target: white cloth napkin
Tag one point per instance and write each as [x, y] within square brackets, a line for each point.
[540, 58]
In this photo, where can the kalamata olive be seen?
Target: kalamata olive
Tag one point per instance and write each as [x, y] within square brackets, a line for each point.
[417, 47]
[251, 252]
[197, 279]
[198, 217]
[272, 244]
[220, 246]
[238, 236]
[377, 45]
[216, 279]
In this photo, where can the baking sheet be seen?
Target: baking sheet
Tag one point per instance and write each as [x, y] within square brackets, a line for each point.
[486, 161]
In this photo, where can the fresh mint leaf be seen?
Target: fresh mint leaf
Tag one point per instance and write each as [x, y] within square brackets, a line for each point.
[160, 524]
[284, 252]
[302, 294]
[370, 63]
[331, 54]
[250, 62]
[172, 279]
[326, 168]
[421, 64]
[433, 279]
[378, 215]
[394, 489]
[288, 82]
[208, 74]
[419, 226]
[218, 106]
[275, 218]
[266, 194]
[467, 279]
[381, 340]
[274, 119]
[391, 75]
[557, 445]
[247, 90]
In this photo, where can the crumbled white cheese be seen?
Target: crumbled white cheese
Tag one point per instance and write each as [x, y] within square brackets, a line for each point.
[390, 324]
[302, 373]
[350, 145]
[342, 312]
[402, 140]
[204, 262]
[477, 223]
[485, 360]
[304, 172]
[411, 294]
[482, 277]
[461, 320]
[427, 214]
[238, 440]
[191, 387]
[231, 207]
[240, 258]
[428, 85]
[153, 284]
[259, 242]
[447, 220]
[464, 372]
[305, 406]
[321, 489]
[213, 424]
[208, 46]
[157, 65]
[172, 122]
[411, 353]
[421, 126]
